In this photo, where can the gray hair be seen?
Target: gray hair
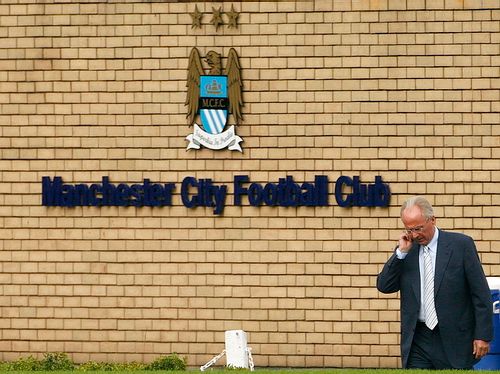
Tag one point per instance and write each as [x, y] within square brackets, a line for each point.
[422, 203]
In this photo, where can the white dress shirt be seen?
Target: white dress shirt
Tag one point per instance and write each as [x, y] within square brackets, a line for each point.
[432, 251]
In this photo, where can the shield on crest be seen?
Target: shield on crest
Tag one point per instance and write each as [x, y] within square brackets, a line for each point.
[214, 103]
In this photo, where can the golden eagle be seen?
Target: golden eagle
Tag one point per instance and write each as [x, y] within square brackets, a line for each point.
[214, 95]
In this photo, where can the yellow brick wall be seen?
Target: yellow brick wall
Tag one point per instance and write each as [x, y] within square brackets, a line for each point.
[404, 89]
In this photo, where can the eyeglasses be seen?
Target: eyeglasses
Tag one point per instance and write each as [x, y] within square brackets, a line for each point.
[415, 230]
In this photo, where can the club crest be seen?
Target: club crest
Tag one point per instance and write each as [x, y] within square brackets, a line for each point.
[212, 98]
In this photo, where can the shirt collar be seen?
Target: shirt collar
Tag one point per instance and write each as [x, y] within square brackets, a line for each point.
[433, 243]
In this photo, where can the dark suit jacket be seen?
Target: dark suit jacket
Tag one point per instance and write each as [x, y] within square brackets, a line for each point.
[461, 295]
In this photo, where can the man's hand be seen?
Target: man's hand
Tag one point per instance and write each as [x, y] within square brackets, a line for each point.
[405, 242]
[480, 348]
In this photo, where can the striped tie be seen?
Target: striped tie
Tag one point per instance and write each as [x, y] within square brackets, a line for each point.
[429, 308]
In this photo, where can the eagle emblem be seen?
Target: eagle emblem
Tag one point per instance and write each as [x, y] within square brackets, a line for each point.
[212, 98]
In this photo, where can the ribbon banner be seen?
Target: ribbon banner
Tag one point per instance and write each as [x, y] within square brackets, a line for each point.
[227, 139]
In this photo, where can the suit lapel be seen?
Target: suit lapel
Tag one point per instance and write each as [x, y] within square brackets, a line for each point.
[443, 256]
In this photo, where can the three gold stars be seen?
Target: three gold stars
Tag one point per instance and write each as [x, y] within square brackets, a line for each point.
[216, 20]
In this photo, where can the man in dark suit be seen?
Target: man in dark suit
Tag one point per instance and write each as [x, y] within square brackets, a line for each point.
[446, 308]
